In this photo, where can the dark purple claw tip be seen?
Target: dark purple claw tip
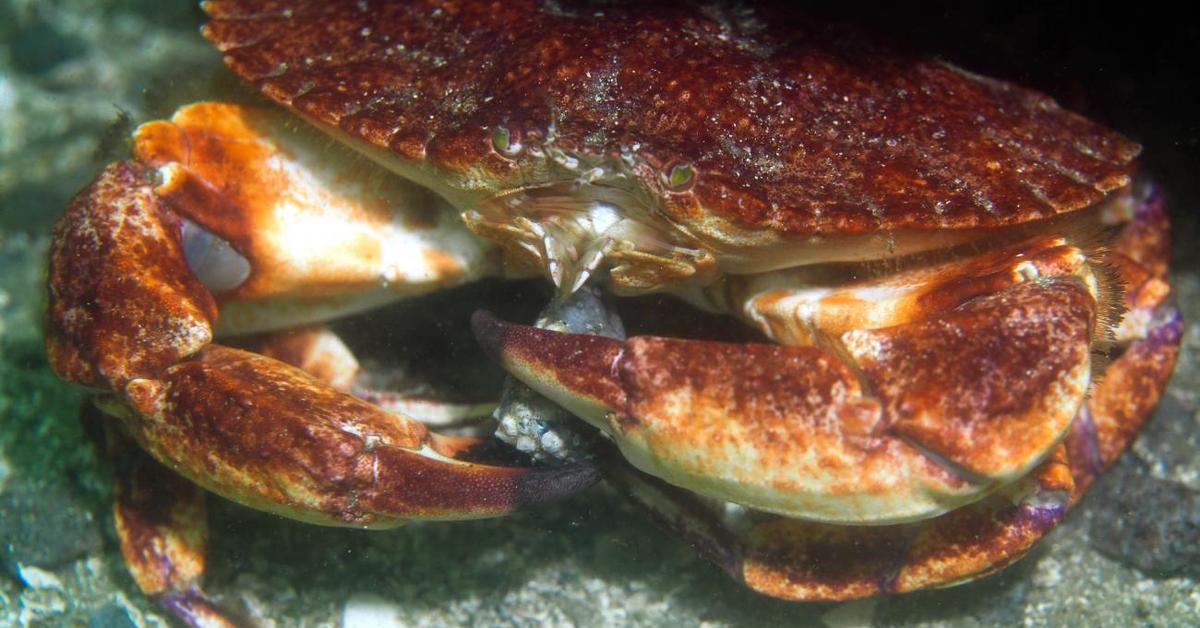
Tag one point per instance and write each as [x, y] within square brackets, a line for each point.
[1152, 202]
[194, 609]
[1042, 516]
[555, 483]
[1169, 330]
[1084, 444]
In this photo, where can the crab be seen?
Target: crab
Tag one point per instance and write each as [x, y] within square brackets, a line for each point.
[959, 289]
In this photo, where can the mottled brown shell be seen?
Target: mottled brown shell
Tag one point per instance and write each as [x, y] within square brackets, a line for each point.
[788, 124]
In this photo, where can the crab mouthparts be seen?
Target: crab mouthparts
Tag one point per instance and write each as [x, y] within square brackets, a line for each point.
[573, 232]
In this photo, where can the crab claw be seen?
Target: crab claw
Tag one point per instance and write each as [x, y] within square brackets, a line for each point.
[128, 315]
[895, 424]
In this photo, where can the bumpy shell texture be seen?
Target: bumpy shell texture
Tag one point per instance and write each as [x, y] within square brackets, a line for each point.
[781, 123]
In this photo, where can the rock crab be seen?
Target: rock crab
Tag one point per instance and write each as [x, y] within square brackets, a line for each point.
[967, 291]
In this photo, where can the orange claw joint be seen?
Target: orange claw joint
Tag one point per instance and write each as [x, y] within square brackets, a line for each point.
[123, 302]
[287, 230]
[268, 435]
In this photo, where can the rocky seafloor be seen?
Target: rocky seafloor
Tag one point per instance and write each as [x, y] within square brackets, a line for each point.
[74, 74]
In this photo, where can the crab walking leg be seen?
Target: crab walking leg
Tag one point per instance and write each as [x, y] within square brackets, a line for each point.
[806, 560]
[316, 350]
[160, 524]
[906, 423]
[127, 315]
[284, 233]
[1146, 339]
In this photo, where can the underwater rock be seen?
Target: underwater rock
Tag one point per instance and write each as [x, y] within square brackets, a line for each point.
[1148, 523]
[44, 526]
[73, 76]
[111, 616]
[1167, 446]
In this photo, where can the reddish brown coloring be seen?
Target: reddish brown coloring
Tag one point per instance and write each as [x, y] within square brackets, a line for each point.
[123, 302]
[980, 385]
[790, 124]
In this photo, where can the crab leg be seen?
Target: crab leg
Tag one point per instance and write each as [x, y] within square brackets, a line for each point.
[318, 351]
[1146, 338]
[160, 524]
[806, 560]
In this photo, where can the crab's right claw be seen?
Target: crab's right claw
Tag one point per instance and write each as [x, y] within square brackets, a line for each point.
[804, 560]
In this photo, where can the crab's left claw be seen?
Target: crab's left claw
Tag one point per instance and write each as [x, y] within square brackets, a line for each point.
[930, 432]
[129, 317]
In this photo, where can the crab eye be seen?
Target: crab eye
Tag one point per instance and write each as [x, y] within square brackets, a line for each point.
[213, 260]
[680, 176]
[505, 142]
